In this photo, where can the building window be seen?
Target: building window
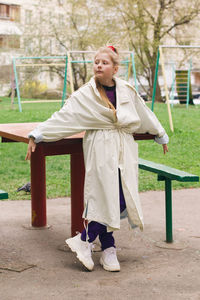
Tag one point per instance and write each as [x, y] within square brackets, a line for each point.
[61, 2]
[10, 12]
[14, 42]
[51, 47]
[4, 11]
[1, 42]
[15, 13]
[10, 42]
[28, 17]
[27, 45]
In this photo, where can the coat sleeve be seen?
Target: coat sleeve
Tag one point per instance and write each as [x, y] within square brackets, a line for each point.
[72, 118]
[78, 114]
[149, 122]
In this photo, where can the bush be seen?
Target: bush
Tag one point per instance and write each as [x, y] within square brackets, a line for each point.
[30, 89]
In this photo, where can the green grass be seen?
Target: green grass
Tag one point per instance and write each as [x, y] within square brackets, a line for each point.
[14, 170]
[183, 146]
[183, 150]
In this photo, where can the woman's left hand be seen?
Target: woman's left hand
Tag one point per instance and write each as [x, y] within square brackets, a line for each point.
[165, 148]
[31, 148]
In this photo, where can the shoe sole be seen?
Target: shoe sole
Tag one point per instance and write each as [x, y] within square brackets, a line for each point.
[69, 242]
[109, 268]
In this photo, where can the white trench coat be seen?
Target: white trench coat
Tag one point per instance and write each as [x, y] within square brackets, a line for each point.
[108, 144]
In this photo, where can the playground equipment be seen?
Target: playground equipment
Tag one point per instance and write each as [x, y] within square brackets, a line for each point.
[181, 78]
[66, 64]
[182, 84]
[32, 65]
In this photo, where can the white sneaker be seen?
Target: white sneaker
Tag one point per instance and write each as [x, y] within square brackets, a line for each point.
[109, 260]
[82, 249]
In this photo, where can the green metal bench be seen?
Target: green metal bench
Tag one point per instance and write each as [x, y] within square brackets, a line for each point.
[167, 174]
[3, 195]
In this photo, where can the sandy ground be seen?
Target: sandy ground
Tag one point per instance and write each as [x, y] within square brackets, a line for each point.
[36, 264]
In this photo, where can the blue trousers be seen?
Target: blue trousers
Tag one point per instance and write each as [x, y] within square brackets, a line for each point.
[96, 229]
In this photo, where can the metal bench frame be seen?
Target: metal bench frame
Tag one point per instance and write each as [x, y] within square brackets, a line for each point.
[167, 174]
[3, 195]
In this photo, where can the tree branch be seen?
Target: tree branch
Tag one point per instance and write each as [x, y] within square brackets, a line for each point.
[184, 20]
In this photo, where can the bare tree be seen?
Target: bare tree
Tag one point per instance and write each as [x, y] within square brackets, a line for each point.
[54, 33]
[75, 34]
[147, 24]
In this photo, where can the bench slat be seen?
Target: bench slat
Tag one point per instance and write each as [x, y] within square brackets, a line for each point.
[165, 171]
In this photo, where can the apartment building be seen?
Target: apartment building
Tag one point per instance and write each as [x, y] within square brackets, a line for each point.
[26, 28]
[35, 28]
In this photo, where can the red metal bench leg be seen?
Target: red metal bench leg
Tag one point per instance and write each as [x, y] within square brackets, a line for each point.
[38, 188]
[77, 186]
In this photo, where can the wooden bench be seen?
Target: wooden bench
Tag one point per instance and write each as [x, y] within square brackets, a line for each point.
[167, 174]
[3, 195]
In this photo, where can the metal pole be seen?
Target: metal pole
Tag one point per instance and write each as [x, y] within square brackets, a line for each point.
[65, 81]
[166, 89]
[17, 85]
[13, 87]
[180, 46]
[91, 61]
[155, 80]
[40, 57]
[188, 84]
[173, 84]
[79, 51]
[126, 75]
[55, 64]
[168, 210]
[70, 73]
[129, 70]
[134, 71]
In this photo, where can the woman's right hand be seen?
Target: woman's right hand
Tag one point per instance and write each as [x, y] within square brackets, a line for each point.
[31, 148]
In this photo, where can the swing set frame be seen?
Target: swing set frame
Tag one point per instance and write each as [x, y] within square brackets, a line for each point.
[160, 58]
[129, 63]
